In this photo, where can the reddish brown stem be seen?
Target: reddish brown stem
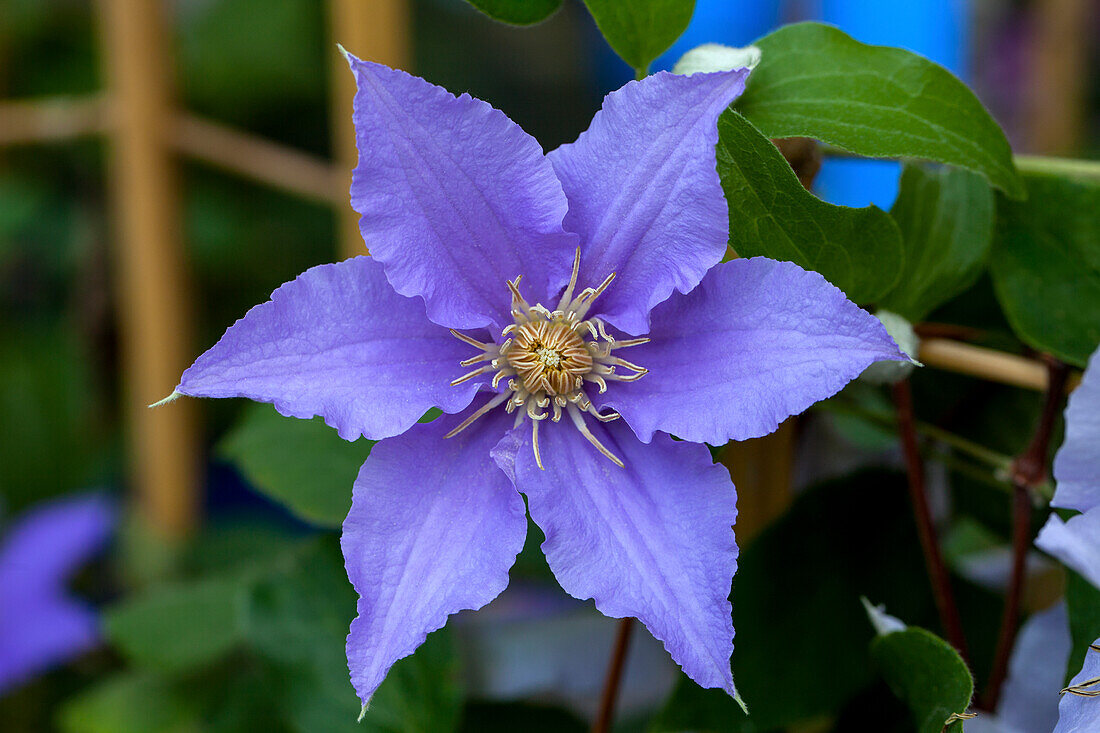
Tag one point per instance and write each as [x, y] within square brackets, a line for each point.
[1029, 470]
[614, 677]
[933, 559]
[946, 331]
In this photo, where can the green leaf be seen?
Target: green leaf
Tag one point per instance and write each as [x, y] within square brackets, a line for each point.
[641, 30]
[129, 703]
[286, 619]
[303, 464]
[802, 633]
[946, 219]
[1046, 266]
[1083, 605]
[816, 81]
[927, 674]
[421, 692]
[771, 214]
[298, 619]
[517, 12]
[179, 626]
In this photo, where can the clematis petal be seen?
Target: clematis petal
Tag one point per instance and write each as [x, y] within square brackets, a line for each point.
[756, 342]
[1076, 543]
[340, 343]
[1077, 464]
[653, 540]
[1037, 668]
[1078, 713]
[644, 193]
[40, 625]
[46, 546]
[43, 632]
[455, 199]
[434, 527]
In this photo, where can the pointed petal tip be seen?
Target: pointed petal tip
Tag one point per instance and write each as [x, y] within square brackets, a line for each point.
[363, 710]
[882, 622]
[176, 394]
[737, 698]
[344, 52]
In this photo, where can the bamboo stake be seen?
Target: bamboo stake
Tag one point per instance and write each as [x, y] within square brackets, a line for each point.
[377, 30]
[55, 119]
[153, 290]
[259, 160]
[993, 366]
[761, 471]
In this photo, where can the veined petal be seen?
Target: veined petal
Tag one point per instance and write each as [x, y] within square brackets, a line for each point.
[756, 342]
[1076, 543]
[1077, 713]
[1077, 463]
[653, 540]
[455, 199]
[644, 193]
[434, 527]
[340, 343]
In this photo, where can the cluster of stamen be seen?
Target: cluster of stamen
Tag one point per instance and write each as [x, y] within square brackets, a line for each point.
[549, 359]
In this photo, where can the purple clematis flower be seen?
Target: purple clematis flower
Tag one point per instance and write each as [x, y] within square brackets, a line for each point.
[40, 624]
[1076, 542]
[537, 273]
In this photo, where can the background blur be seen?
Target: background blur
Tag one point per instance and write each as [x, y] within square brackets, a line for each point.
[153, 189]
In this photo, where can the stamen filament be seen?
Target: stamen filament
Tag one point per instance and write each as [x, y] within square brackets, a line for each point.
[578, 421]
[475, 359]
[603, 333]
[600, 383]
[624, 363]
[470, 375]
[535, 444]
[471, 341]
[628, 342]
[1081, 688]
[481, 411]
[609, 417]
[567, 296]
[517, 300]
[628, 378]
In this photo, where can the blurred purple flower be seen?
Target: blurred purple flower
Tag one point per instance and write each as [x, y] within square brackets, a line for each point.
[41, 625]
[1029, 700]
[1076, 542]
[457, 203]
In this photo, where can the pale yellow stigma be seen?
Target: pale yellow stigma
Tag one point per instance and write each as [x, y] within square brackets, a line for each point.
[548, 358]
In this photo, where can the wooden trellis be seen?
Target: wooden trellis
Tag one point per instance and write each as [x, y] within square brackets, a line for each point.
[147, 133]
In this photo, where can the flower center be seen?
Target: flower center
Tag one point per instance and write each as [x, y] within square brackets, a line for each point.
[549, 358]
